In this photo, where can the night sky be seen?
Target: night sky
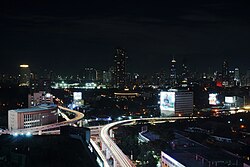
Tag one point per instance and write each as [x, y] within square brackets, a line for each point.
[66, 36]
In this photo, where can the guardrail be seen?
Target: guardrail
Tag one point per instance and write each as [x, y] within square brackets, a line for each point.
[119, 156]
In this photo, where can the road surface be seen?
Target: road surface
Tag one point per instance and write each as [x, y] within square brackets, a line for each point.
[116, 152]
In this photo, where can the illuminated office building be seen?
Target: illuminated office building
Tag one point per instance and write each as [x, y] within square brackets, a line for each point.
[225, 70]
[237, 77]
[225, 74]
[107, 77]
[248, 78]
[173, 76]
[89, 74]
[184, 73]
[38, 98]
[176, 103]
[24, 76]
[120, 68]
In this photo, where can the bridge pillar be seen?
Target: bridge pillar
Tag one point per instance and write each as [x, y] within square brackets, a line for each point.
[107, 153]
[39, 132]
[103, 146]
[115, 162]
[111, 133]
[80, 123]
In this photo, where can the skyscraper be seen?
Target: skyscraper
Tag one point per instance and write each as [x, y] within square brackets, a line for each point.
[231, 78]
[184, 72]
[99, 75]
[34, 82]
[89, 74]
[120, 67]
[237, 77]
[225, 69]
[248, 78]
[173, 77]
[107, 77]
[24, 79]
[225, 74]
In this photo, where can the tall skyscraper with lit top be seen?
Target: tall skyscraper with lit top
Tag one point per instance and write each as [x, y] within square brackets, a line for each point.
[120, 68]
[24, 76]
[173, 76]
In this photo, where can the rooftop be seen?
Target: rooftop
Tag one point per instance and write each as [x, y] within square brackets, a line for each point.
[190, 153]
[151, 136]
[37, 108]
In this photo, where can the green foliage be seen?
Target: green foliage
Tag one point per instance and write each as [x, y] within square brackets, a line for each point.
[147, 156]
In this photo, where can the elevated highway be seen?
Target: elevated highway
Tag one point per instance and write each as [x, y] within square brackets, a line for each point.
[112, 150]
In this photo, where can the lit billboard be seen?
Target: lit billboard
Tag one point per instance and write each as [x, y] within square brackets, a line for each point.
[213, 99]
[229, 99]
[167, 101]
[77, 95]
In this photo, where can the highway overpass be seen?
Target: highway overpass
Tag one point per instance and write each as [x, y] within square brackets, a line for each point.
[112, 150]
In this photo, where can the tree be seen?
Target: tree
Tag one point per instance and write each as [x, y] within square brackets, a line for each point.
[147, 156]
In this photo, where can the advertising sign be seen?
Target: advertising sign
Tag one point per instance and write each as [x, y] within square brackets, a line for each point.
[229, 99]
[77, 95]
[212, 98]
[167, 101]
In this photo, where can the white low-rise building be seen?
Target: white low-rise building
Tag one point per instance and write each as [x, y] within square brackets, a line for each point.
[32, 117]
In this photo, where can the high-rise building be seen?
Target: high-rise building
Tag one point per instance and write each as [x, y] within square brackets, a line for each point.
[99, 76]
[38, 98]
[45, 85]
[163, 77]
[24, 79]
[107, 77]
[136, 79]
[89, 74]
[248, 78]
[184, 73]
[45, 80]
[34, 83]
[41, 81]
[155, 79]
[173, 76]
[225, 70]
[225, 74]
[231, 78]
[237, 77]
[120, 67]
[174, 103]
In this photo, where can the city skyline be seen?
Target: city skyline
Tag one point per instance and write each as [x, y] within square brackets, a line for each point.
[59, 36]
[124, 83]
[40, 71]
